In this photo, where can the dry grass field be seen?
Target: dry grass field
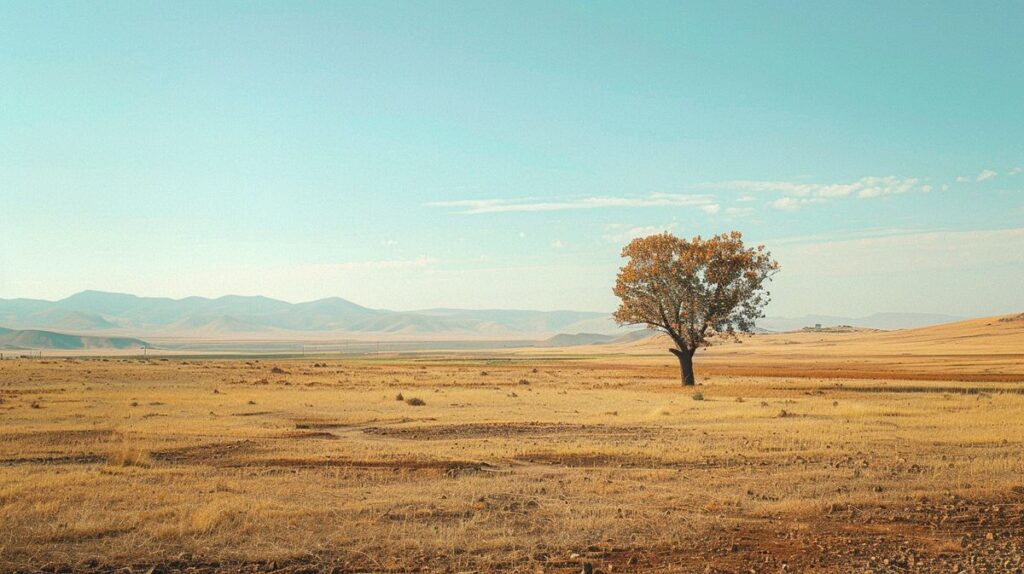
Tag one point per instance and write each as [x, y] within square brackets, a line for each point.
[987, 349]
[523, 462]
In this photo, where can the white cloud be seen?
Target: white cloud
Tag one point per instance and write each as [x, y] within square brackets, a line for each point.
[1014, 171]
[711, 208]
[985, 175]
[388, 242]
[746, 197]
[794, 203]
[623, 233]
[477, 206]
[557, 244]
[865, 187]
[739, 211]
[874, 187]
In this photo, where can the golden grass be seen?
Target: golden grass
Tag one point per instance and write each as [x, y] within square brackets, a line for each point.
[229, 462]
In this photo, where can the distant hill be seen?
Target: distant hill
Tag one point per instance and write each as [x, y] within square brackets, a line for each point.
[525, 321]
[33, 339]
[331, 314]
[635, 336]
[414, 324]
[69, 320]
[35, 313]
[567, 340]
[214, 325]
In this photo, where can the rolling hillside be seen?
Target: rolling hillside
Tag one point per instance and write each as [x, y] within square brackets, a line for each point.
[12, 339]
[990, 348]
[567, 340]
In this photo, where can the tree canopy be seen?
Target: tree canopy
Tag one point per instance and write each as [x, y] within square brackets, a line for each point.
[693, 289]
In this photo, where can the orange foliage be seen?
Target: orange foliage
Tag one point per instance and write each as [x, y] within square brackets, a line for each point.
[693, 289]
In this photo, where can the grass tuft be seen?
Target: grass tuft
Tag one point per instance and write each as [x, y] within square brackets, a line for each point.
[129, 455]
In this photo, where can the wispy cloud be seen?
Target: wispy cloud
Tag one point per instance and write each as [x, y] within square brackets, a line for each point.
[1014, 171]
[739, 211]
[798, 194]
[865, 187]
[478, 206]
[622, 233]
[985, 175]
[794, 203]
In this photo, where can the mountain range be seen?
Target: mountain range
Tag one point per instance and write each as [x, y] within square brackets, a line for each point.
[90, 312]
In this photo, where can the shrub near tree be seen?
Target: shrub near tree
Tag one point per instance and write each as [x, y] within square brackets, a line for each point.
[693, 290]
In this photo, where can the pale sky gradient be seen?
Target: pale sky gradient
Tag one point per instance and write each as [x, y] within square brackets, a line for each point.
[497, 154]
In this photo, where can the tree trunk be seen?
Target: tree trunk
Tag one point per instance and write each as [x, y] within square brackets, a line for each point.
[685, 357]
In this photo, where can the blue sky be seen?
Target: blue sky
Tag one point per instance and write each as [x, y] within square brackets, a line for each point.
[486, 154]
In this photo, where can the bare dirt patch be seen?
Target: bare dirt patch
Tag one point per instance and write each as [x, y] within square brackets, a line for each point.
[53, 460]
[327, 424]
[510, 430]
[216, 453]
[447, 467]
[299, 435]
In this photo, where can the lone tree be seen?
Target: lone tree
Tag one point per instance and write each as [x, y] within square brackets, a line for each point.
[693, 290]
